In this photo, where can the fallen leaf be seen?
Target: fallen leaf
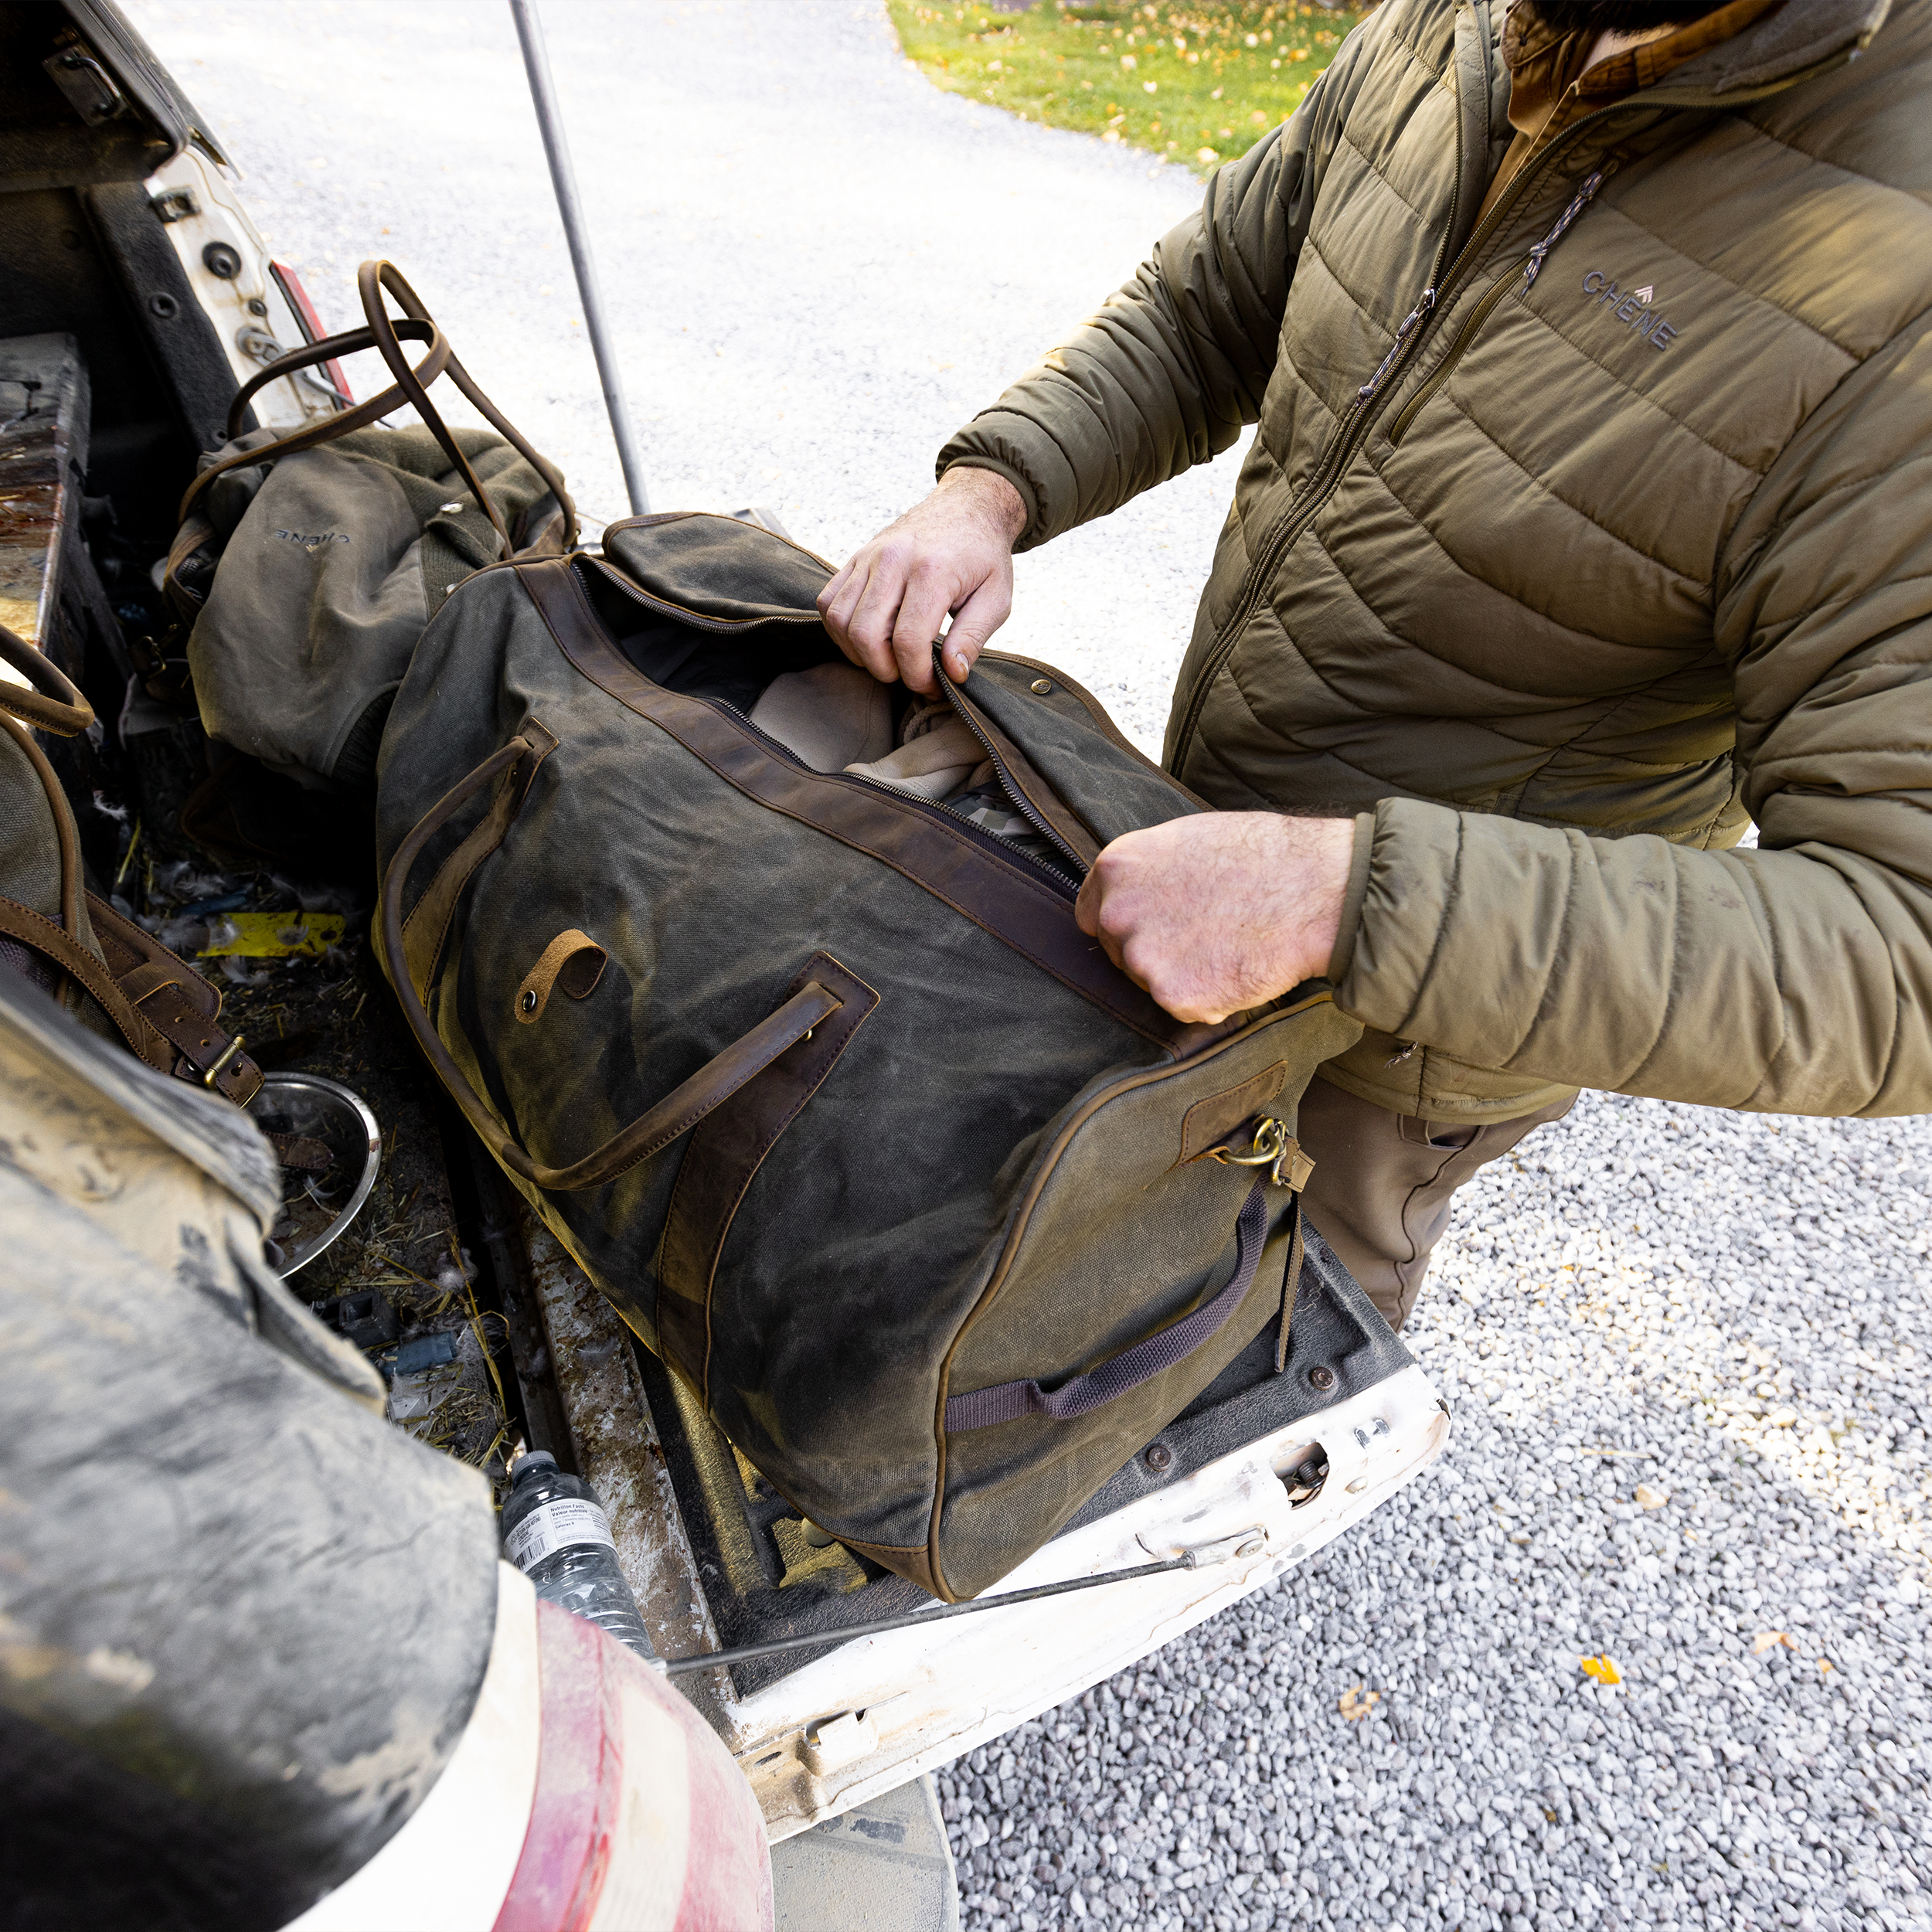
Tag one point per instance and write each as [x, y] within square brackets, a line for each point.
[1824, 1664]
[1770, 1640]
[1602, 1669]
[1651, 1498]
[1358, 1702]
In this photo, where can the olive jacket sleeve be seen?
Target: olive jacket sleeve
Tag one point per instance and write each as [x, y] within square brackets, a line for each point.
[1795, 977]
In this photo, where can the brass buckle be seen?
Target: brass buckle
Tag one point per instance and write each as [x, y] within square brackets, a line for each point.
[214, 1072]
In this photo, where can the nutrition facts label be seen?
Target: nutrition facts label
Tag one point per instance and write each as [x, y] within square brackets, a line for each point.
[557, 1525]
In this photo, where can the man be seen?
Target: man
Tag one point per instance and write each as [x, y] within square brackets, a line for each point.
[1585, 524]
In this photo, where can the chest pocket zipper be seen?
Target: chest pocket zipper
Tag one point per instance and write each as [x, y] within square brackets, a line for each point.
[1528, 268]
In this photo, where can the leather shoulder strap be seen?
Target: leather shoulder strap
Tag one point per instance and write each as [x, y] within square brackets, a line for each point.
[34, 930]
[177, 1005]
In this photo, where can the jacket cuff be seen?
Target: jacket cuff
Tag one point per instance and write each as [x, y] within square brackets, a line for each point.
[973, 461]
[1012, 444]
[1340, 959]
[1414, 852]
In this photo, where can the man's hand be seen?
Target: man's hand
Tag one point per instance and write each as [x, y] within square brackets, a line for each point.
[1221, 912]
[952, 552]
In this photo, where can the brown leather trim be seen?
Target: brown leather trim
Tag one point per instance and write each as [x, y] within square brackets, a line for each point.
[66, 833]
[909, 1561]
[1022, 776]
[1017, 1233]
[680, 1109]
[727, 1152]
[543, 741]
[1005, 898]
[428, 925]
[1209, 1121]
[1097, 711]
[34, 930]
[174, 999]
[574, 960]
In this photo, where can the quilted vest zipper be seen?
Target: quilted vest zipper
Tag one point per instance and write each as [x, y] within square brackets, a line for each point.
[1352, 430]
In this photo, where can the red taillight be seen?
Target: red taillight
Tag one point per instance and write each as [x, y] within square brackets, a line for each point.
[310, 324]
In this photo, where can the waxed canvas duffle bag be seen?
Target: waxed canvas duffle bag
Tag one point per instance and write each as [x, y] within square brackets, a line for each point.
[766, 988]
[309, 563]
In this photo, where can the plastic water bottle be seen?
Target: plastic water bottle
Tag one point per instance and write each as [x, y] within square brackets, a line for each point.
[554, 1530]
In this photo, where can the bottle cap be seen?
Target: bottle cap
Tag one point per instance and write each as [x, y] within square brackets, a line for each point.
[538, 1462]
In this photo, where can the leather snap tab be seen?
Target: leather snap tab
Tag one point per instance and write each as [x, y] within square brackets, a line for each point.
[1041, 686]
[574, 960]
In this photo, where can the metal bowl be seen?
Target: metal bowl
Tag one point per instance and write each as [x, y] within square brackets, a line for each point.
[316, 1208]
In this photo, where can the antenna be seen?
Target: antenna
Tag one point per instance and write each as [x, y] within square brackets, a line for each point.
[549, 119]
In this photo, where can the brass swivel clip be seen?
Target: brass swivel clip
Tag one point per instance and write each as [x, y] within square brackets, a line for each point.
[1273, 1147]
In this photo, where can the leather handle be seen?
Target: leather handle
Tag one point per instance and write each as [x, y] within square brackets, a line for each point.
[30, 928]
[371, 279]
[386, 334]
[53, 705]
[330, 427]
[331, 348]
[679, 1112]
[1008, 1401]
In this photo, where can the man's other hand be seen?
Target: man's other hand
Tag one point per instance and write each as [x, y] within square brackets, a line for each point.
[1219, 912]
[952, 552]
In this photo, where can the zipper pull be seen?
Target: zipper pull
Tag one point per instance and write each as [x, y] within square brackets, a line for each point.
[1427, 302]
[1578, 202]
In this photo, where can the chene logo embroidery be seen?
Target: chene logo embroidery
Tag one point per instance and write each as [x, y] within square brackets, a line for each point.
[310, 540]
[1635, 309]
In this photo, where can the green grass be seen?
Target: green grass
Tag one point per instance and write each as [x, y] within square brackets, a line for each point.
[1196, 84]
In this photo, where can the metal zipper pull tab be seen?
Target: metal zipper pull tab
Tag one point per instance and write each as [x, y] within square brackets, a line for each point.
[1426, 302]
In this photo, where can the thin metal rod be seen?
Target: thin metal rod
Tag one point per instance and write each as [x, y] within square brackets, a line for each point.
[680, 1666]
[549, 120]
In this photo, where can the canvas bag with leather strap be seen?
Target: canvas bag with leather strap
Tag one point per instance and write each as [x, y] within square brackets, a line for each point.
[114, 977]
[940, 1216]
[309, 563]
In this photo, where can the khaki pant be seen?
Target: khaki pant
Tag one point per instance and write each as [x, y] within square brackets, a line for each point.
[1383, 1181]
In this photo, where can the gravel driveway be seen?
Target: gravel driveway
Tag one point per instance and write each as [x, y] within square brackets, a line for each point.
[1685, 1350]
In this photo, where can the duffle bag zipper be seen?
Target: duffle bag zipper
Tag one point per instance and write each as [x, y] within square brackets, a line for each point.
[1011, 785]
[999, 847]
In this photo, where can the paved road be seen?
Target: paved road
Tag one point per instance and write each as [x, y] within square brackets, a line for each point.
[821, 266]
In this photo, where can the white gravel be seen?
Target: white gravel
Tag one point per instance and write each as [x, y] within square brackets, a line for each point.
[819, 266]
